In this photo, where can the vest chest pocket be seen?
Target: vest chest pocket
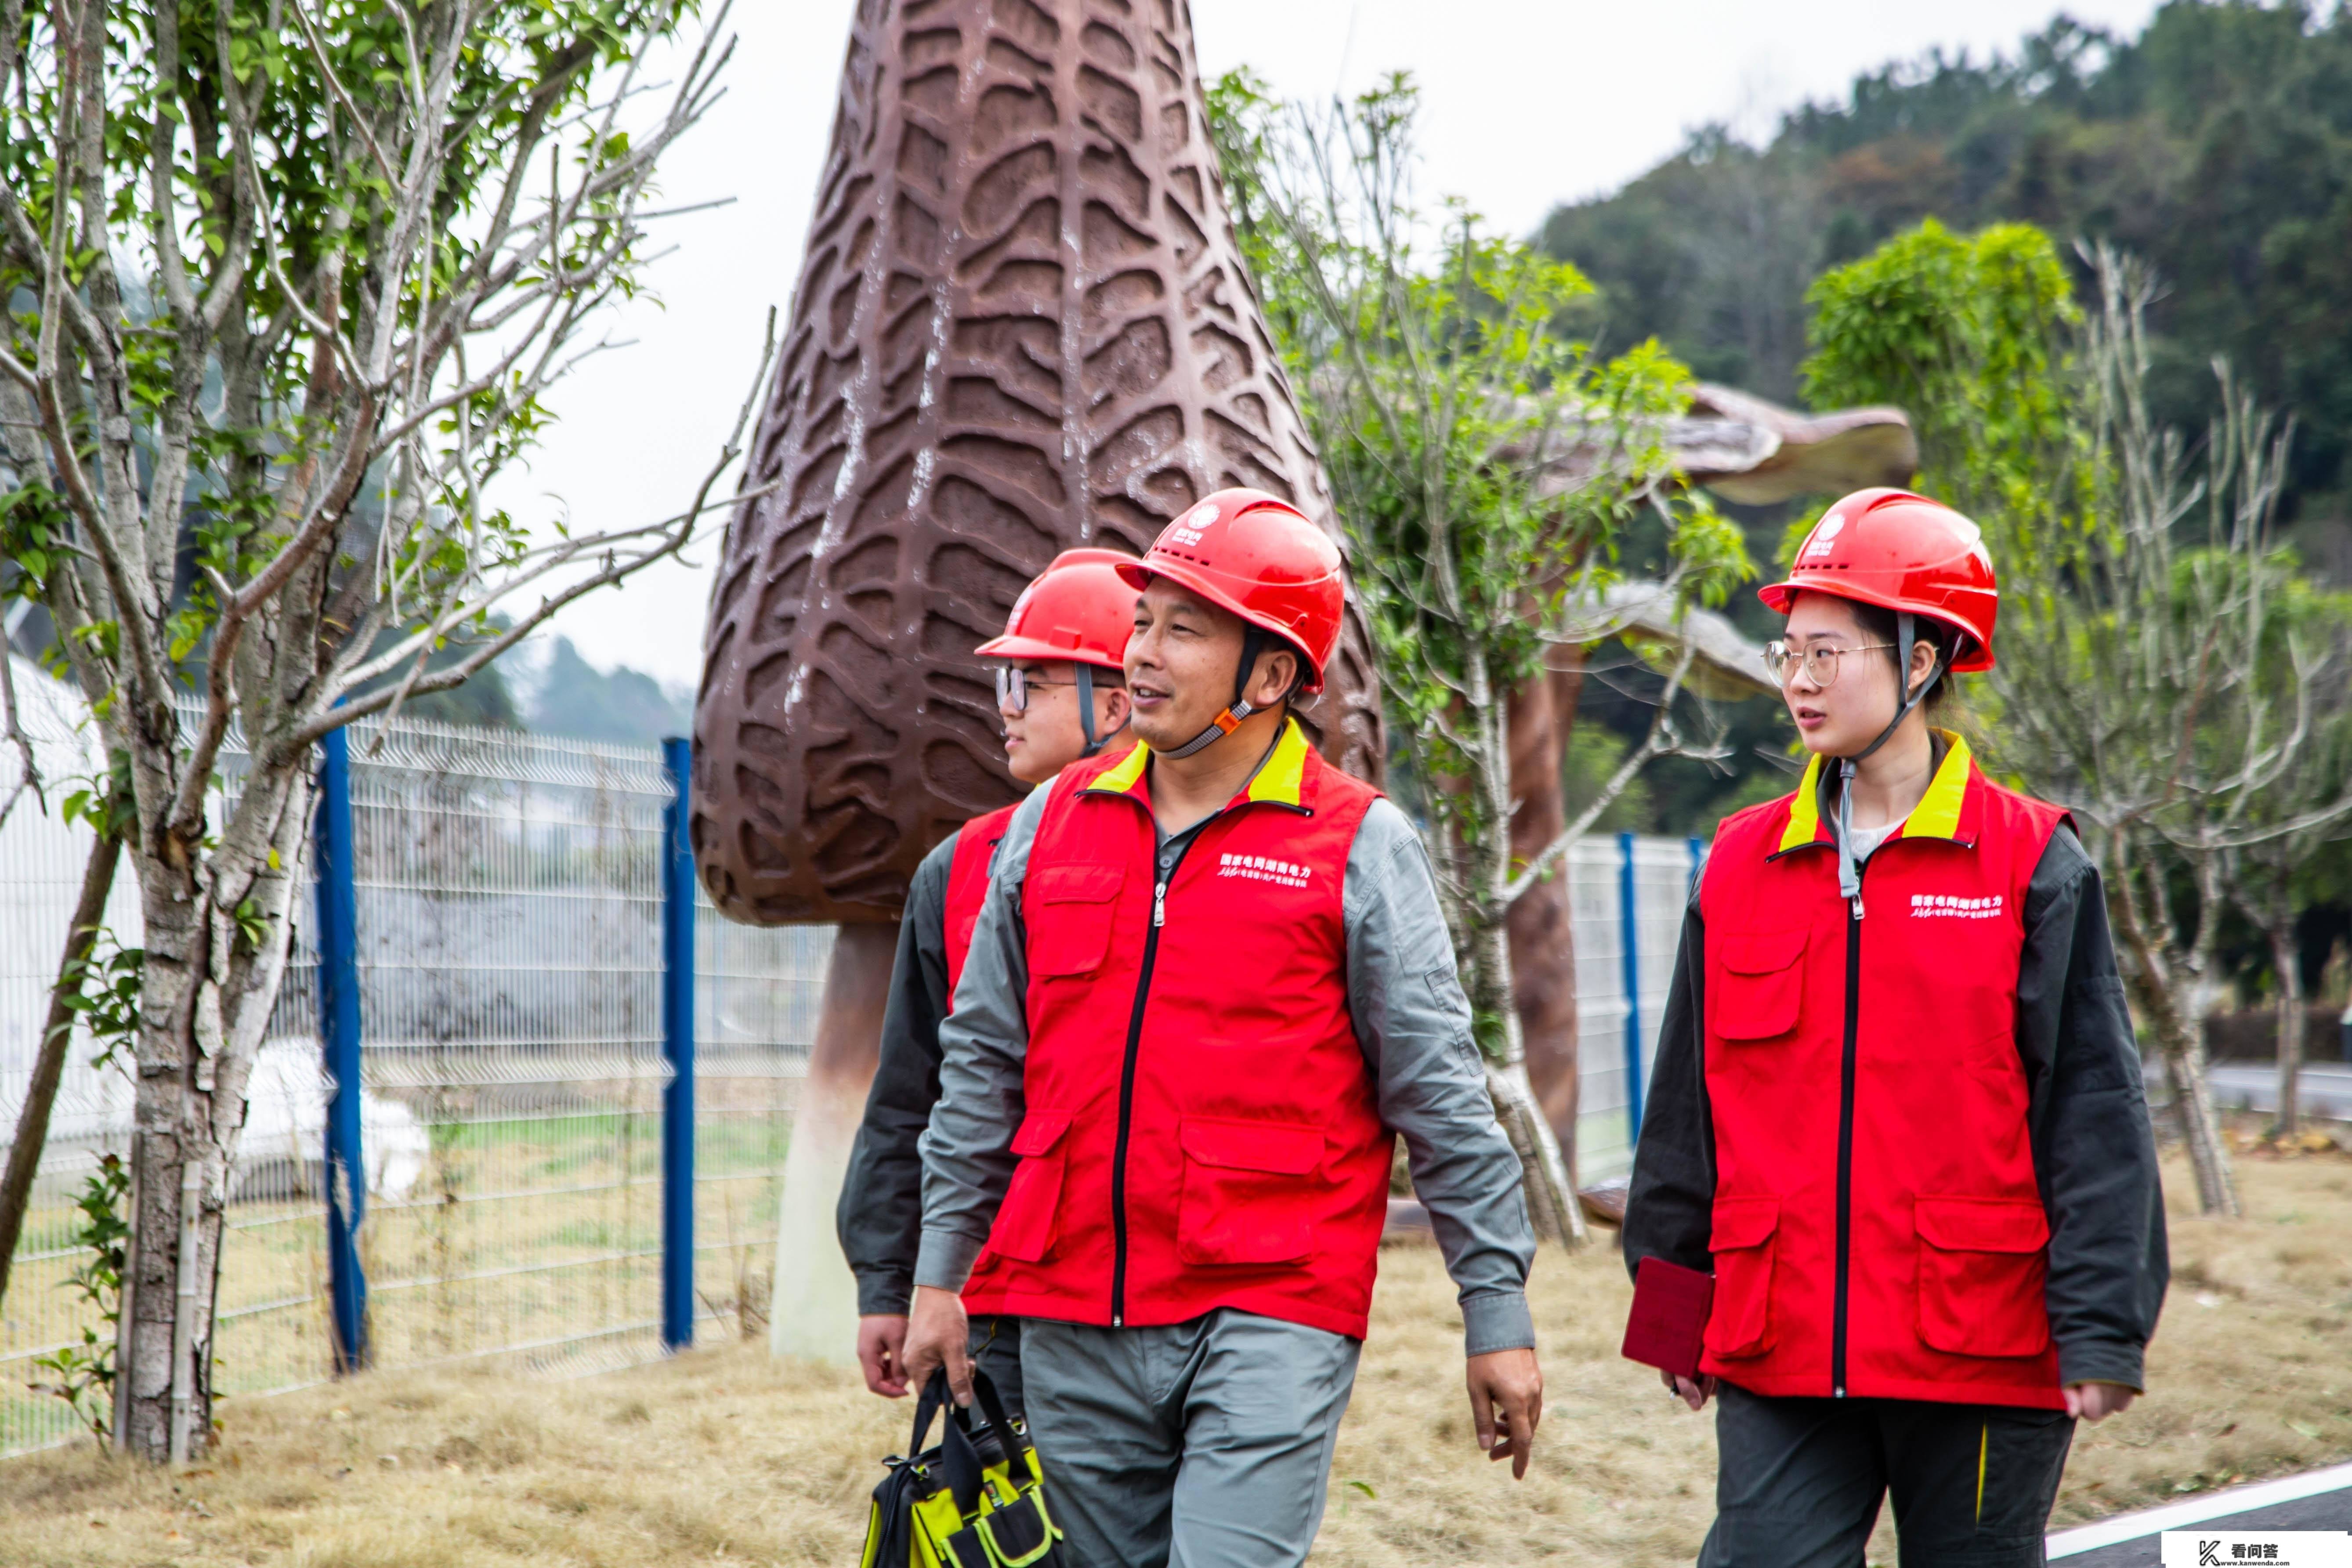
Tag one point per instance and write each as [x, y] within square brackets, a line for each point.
[1025, 1228]
[1981, 1266]
[1245, 1199]
[1069, 910]
[1756, 983]
[1741, 1321]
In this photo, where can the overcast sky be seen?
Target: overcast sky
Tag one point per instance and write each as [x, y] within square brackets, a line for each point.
[1526, 103]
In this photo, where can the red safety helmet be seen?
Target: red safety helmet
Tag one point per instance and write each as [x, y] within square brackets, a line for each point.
[1259, 556]
[1900, 551]
[1079, 608]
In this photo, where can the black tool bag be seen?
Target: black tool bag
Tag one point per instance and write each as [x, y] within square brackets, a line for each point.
[977, 1501]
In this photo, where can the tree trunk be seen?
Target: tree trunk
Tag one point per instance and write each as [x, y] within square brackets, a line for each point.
[182, 1177]
[56, 1037]
[2165, 992]
[2288, 962]
[217, 930]
[1543, 948]
[1551, 1194]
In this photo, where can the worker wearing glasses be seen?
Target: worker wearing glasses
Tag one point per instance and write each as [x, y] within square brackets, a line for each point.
[1897, 1110]
[1061, 695]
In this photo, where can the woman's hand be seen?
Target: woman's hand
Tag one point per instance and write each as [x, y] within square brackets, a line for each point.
[1693, 1394]
[2094, 1402]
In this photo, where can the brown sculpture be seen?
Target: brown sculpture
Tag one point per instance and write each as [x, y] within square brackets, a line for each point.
[1022, 325]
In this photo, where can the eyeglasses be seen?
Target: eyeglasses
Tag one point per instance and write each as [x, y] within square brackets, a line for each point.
[1014, 687]
[1820, 662]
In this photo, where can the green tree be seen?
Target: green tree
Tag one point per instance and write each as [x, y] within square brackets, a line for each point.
[1487, 470]
[1972, 336]
[287, 287]
[2217, 143]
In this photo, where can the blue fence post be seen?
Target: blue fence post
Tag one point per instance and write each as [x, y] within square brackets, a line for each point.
[1629, 917]
[1698, 858]
[678, 1047]
[338, 1032]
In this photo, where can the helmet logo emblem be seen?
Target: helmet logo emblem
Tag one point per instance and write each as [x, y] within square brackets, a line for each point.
[1832, 526]
[1187, 529]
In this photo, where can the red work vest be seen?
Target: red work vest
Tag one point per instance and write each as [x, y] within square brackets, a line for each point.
[1202, 1130]
[968, 868]
[1878, 1230]
[975, 851]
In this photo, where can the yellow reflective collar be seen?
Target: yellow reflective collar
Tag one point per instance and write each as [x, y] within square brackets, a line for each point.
[1285, 773]
[1937, 814]
[1804, 809]
[1281, 781]
[1122, 777]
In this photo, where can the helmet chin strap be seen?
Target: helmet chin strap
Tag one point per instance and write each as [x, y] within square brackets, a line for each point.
[1906, 629]
[1254, 642]
[1086, 684]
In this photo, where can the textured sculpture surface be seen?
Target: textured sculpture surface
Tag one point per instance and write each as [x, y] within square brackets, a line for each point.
[1021, 326]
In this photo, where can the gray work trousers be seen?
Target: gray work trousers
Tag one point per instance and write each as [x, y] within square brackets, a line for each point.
[995, 1347]
[1799, 1482]
[1201, 1445]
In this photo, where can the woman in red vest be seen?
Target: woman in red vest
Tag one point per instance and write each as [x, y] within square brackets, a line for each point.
[1897, 1108]
[1061, 695]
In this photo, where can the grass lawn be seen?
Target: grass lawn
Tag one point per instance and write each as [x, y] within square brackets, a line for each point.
[726, 1457]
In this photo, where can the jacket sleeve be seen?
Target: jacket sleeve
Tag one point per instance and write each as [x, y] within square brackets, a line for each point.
[881, 1210]
[2093, 1149]
[1412, 1024]
[1671, 1200]
[1669, 1207]
[983, 1047]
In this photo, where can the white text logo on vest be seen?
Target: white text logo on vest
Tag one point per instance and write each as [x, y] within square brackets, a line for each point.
[1262, 868]
[1986, 908]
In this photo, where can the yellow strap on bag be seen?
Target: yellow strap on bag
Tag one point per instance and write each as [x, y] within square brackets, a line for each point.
[977, 1501]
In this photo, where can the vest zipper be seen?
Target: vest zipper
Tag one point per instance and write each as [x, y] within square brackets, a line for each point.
[1127, 1086]
[1845, 1145]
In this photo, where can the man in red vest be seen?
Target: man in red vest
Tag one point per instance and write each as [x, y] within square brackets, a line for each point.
[1060, 694]
[1211, 984]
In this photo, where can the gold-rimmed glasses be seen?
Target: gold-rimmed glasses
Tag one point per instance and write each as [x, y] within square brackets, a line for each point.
[1819, 661]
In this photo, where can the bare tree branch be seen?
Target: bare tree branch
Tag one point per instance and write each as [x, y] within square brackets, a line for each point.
[28, 776]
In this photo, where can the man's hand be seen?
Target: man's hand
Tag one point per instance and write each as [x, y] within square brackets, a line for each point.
[1695, 1393]
[1505, 1403]
[2094, 1402]
[939, 1334]
[882, 1353]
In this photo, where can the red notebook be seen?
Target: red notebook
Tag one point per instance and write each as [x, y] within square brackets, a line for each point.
[1668, 1326]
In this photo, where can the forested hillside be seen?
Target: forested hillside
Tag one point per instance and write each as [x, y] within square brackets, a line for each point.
[2218, 143]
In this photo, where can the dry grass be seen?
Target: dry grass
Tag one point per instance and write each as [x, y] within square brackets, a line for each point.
[724, 1456]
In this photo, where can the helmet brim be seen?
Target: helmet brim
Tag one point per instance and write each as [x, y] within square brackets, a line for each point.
[1137, 574]
[1780, 597]
[1028, 649]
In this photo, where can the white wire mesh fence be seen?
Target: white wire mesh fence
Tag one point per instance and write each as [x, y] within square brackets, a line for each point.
[40, 878]
[510, 962]
[1609, 1089]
